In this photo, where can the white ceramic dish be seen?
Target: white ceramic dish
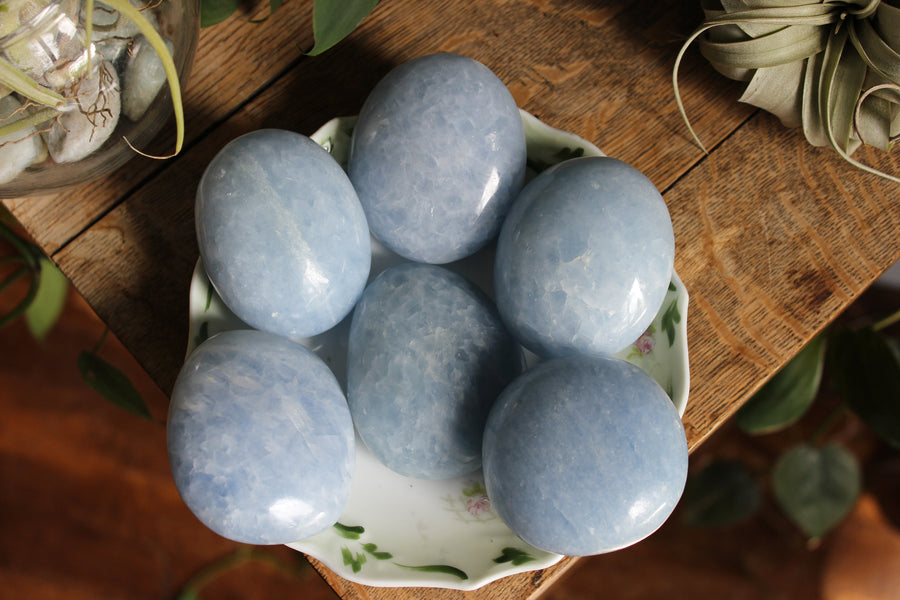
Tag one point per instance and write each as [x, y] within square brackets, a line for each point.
[398, 531]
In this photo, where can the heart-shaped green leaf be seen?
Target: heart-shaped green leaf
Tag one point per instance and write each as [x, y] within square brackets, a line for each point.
[48, 303]
[333, 20]
[788, 395]
[816, 487]
[867, 373]
[722, 493]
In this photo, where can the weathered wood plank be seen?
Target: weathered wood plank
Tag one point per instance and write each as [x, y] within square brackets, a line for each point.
[774, 239]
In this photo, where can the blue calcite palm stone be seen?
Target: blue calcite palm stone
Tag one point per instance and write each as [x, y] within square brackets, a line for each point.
[260, 439]
[584, 455]
[584, 258]
[437, 157]
[428, 356]
[282, 234]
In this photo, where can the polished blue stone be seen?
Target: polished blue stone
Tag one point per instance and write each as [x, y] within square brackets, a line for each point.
[260, 439]
[584, 455]
[281, 232]
[584, 258]
[437, 156]
[428, 355]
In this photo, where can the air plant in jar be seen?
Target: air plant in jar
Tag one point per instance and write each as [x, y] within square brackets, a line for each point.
[70, 71]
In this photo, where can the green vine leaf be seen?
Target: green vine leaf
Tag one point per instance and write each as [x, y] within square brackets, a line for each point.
[333, 20]
[111, 383]
[867, 374]
[722, 493]
[44, 310]
[213, 12]
[788, 395]
[816, 487]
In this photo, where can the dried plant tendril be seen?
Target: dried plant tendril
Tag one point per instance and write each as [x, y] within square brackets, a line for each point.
[810, 63]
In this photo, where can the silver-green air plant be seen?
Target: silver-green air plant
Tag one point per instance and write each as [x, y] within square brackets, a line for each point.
[48, 104]
[831, 67]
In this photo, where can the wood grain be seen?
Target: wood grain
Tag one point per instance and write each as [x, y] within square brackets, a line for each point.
[774, 237]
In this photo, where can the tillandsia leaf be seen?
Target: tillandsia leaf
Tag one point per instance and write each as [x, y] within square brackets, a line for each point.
[723, 493]
[159, 46]
[835, 72]
[816, 487]
[333, 20]
[837, 97]
[842, 77]
[867, 374]
[794, 42]
[787, 395]
[19, 82]
[47, 305]
[806, 14]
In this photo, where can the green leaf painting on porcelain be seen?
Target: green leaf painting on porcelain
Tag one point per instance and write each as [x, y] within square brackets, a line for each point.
[375, 552]
[356, 560]
[670, 318]
[444, 569]
[515, 556]
[351, 532]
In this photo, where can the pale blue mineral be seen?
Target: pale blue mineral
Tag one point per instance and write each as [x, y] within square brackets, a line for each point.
[282, 234]
[584, 258]
[428, 355]
[584, 455]
[437, 157]
[260, 439]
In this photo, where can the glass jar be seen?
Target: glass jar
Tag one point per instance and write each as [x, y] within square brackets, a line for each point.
[114, 87]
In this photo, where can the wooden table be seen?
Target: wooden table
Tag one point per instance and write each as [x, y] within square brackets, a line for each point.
[774, 237]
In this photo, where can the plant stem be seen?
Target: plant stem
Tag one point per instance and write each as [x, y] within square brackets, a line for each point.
[826, 425]
[216, 568]
[99, 343]
[887, 321]
[23, 305]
